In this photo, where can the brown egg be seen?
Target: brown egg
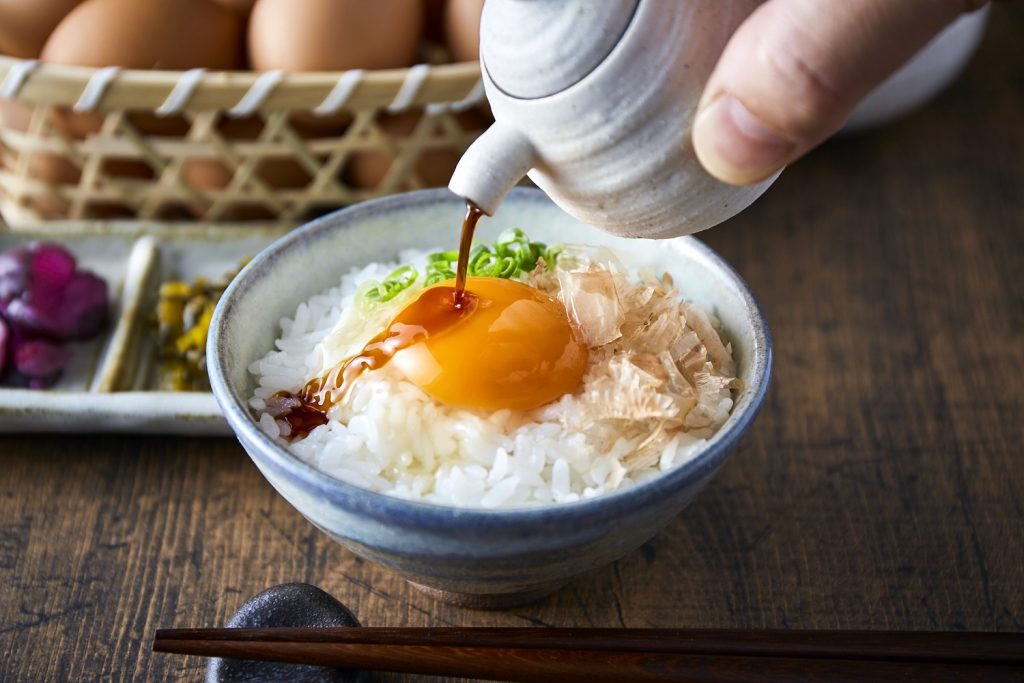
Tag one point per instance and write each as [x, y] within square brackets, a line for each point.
[213, 174]
[278, 173]
[157, 34]
[26, 24]
[462, 29]
[46, 166]
[154, 34]
[333, 35]
[56, 170]
[13, 116]
[434, 167]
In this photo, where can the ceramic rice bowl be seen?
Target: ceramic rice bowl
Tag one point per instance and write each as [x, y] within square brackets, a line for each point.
[474, 557]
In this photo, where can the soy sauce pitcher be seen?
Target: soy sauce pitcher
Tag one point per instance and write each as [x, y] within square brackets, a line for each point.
[594, 100]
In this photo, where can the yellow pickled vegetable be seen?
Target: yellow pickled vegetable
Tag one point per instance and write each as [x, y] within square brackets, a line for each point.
[181, 321]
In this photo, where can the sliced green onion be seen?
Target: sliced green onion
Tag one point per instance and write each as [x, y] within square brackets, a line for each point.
[487, 262]
[399, 280]
[439, 271]
[450, 256]
[511, 255]
[550, 255]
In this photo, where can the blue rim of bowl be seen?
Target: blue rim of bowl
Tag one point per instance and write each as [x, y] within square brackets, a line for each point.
[418, 514]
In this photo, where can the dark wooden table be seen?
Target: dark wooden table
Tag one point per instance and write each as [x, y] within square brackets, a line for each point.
[882, 486]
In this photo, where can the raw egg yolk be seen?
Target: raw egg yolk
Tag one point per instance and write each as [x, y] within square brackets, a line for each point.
[505, 345]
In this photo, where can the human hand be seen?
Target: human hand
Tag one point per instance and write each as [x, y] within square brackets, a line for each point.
[794, 71]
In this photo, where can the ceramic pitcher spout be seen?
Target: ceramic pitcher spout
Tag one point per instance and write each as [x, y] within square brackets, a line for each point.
[492, 166]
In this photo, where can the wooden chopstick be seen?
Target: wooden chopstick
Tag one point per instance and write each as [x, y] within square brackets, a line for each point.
[971, 648]
[597, 655]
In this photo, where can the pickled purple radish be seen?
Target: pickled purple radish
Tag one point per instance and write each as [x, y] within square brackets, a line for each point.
[83, 312]
[45, 300]
[52, 267]
[5, 343]
[15, 265]
[41, 361]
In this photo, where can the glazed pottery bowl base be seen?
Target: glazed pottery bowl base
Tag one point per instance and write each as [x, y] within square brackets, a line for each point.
[480, 558]
[482, 575]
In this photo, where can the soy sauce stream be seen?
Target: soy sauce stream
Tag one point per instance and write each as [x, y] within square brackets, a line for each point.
[435, 310]
[473, 214]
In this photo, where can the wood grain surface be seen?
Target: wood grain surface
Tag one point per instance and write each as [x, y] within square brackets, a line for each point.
[882, 486]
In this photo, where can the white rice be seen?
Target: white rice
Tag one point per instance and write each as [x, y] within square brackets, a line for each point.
[393, 438]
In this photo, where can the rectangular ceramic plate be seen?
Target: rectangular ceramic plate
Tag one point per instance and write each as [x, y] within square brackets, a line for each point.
[110, 385]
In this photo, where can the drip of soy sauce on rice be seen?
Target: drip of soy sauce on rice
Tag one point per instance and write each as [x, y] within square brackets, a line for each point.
[436, 309]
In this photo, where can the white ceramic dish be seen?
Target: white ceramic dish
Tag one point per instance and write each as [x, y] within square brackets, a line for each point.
[109, 385]
[927, 74]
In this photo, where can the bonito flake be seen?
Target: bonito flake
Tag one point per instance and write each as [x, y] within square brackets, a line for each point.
[658, 365]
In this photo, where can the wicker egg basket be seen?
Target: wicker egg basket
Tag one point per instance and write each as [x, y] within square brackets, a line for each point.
[87, 143]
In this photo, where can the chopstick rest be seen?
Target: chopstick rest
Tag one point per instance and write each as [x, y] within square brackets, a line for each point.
[287, 605]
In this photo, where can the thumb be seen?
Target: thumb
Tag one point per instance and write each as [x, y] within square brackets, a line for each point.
[793, 72]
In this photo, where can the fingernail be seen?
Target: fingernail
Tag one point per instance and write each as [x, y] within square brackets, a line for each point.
[735, 146]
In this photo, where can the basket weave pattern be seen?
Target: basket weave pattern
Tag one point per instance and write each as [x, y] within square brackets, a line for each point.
[124, 165]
